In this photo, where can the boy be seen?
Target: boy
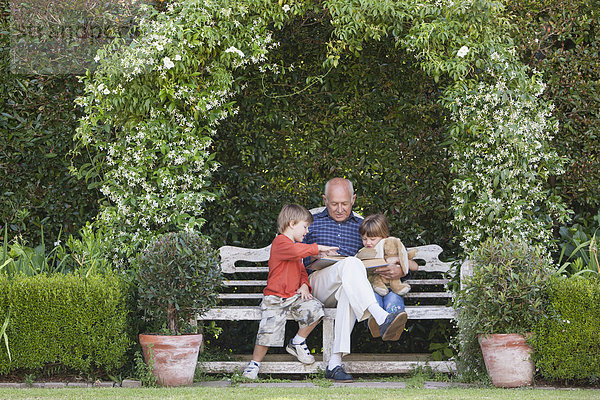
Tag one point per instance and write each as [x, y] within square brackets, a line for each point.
[288, 290]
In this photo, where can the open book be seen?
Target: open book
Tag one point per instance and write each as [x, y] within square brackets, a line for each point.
[330, 260]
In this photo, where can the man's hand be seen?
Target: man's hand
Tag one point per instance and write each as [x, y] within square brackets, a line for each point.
[304, 292]
[391, 271]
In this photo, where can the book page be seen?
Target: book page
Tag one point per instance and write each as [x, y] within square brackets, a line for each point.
[324, 262]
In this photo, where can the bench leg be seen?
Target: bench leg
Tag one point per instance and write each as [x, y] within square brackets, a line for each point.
[327, 339]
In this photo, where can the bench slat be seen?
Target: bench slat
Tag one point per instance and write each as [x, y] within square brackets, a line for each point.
[253, 313]
[259, 296]
[355, 367]
[263, 283]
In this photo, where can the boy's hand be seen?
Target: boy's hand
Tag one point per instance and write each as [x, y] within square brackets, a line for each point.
[304, 292]
[325, 251]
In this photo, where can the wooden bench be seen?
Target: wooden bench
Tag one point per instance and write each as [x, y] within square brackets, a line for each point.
[422, 302]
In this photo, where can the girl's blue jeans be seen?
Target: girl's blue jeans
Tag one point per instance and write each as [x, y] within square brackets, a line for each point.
[391, 302]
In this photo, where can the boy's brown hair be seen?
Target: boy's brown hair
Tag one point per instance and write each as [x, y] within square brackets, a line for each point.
[374, 225]
[292, 213]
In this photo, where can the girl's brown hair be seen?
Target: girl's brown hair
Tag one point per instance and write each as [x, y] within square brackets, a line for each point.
[374, 225]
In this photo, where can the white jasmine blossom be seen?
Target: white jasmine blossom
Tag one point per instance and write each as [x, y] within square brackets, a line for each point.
[168, 63]
[235, 50]
[463, 51]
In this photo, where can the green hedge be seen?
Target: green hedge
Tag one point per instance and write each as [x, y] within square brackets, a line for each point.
[76, 322]
[567, 342]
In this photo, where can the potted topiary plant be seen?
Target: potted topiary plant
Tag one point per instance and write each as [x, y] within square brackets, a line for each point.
[178, 276]
[497, 308]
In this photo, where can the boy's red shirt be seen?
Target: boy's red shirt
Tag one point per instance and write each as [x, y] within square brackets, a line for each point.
[286, 271]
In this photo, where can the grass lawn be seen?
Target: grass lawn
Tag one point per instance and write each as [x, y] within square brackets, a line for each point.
[296, 393]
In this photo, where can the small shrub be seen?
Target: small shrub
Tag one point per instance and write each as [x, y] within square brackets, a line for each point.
[179, 274]
[566, 342]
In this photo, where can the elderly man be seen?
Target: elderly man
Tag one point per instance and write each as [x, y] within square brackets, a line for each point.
[344, 285]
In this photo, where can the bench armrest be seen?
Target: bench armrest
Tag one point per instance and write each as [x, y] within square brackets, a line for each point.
[231, 254]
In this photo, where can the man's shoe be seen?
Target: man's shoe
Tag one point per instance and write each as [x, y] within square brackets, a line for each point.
[338, 374]
[301, 352]
[251, 371]
[393, 326]
[374, 328]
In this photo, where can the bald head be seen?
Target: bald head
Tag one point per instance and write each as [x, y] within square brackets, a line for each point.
[339, 198]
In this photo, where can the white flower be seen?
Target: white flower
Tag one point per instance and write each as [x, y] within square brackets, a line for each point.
[235, 50]
[177, 57]
[106, 91]
[462, 51]
[286, 8]
[97, 58]
[168, 63]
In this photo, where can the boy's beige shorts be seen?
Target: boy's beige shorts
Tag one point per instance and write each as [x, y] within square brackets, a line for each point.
[275, 311]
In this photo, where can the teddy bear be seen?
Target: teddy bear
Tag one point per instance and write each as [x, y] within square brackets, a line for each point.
[388, 247]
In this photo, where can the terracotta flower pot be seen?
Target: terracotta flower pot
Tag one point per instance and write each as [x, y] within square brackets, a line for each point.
[175, 357]
[507, 359]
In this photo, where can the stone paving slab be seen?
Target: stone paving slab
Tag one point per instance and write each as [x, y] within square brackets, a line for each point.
[372, 384]
[10, 385]
[55, 385]
[213, 384]
[445, 385]
[300, 384]
[104, 384]
[130, 383]
[78, 385]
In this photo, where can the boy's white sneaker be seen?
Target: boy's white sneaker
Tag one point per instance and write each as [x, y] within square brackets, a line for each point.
[251, 371]
[301, 352]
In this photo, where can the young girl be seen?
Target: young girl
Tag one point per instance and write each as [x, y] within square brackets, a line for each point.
[373, 230]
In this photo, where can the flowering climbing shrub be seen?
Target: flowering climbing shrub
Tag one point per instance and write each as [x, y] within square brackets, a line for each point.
[503, 159]
[151, 108]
